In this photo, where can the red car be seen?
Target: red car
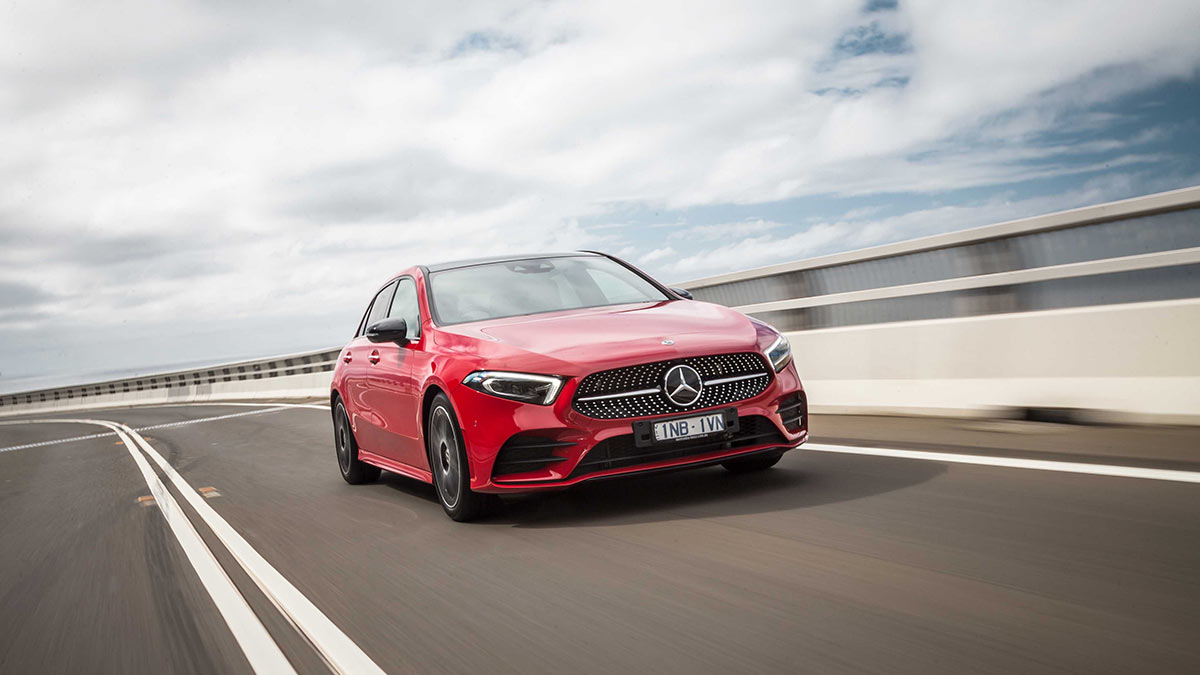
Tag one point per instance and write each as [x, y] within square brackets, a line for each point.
[517, 374]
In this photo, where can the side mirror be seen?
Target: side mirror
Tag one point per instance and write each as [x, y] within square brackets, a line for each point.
[683, 293]
[389, 330]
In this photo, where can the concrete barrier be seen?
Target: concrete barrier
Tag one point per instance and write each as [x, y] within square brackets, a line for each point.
[1136, 363]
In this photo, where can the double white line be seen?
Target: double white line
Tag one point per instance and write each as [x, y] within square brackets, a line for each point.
[339, 652]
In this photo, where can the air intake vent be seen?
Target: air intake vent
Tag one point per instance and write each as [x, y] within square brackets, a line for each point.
[794, 412]
[523, 453]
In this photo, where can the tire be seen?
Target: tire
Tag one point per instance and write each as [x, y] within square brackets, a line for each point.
[448, 463]
[757, 462]
[354, 470]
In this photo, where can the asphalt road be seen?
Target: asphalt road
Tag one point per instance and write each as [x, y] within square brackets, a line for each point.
[827, 563]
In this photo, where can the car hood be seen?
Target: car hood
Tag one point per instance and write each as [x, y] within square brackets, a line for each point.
[581, 341]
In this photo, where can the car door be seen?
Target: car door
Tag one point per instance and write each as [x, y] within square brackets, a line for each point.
[364, 356]
[396, 389]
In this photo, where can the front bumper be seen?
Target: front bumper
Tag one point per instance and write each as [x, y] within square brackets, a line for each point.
[489, 423]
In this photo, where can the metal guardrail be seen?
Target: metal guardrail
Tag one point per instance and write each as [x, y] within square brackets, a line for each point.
[1136, 250]
[256, 369]
[1188, 256]
[1126, 208]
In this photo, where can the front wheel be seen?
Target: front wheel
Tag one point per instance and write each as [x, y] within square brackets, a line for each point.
[353, 469]
[756, 462]
[448, 463]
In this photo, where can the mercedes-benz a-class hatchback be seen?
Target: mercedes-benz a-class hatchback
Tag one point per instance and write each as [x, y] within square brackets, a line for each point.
[517, 374]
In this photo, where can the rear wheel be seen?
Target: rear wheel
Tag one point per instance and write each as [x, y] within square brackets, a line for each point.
[353, 469]
[448, 463]
[757, 462]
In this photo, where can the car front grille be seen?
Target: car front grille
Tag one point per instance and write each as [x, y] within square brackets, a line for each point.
[637, 391]
[621, 451]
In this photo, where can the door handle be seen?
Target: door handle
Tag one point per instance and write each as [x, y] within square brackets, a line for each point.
[374, 357]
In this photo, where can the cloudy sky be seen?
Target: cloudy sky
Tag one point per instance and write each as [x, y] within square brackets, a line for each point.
[192, 181]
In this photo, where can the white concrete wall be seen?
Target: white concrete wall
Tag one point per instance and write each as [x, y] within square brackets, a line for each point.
[1136, 363]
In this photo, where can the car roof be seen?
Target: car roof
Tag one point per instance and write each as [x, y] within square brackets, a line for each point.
[454, 264]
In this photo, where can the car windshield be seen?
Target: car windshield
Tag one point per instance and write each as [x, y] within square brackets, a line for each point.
[533, 286]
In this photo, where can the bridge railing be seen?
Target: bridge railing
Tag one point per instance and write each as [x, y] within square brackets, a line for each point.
[1095, 310]
[291, 376]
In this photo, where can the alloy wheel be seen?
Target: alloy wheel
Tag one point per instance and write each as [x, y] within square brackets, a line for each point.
[343, 440]
[445, 457]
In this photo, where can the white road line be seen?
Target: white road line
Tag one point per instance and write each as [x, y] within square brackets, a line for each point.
[39, 444]
[315, 406]
[340, 652]
[257, 644]
[184, 423]
[1014, 463]
[54, 442]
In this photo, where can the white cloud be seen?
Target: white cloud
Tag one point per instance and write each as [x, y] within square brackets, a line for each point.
[726, 231]
[209, 161]
[657, 254]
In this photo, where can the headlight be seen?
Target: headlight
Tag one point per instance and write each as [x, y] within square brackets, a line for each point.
[779, 353]
[539, 389]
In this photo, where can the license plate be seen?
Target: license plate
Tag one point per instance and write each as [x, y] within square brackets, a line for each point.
[689, 427]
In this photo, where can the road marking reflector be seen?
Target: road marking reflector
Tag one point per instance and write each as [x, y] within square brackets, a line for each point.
[148, 500]
[209, 492]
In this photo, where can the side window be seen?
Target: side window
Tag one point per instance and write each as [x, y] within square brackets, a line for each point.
[379, 307]
[405, 307]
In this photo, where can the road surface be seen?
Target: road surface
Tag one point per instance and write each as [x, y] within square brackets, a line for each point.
[828, 563]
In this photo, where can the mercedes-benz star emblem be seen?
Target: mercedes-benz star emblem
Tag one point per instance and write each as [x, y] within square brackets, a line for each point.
[682, 385]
